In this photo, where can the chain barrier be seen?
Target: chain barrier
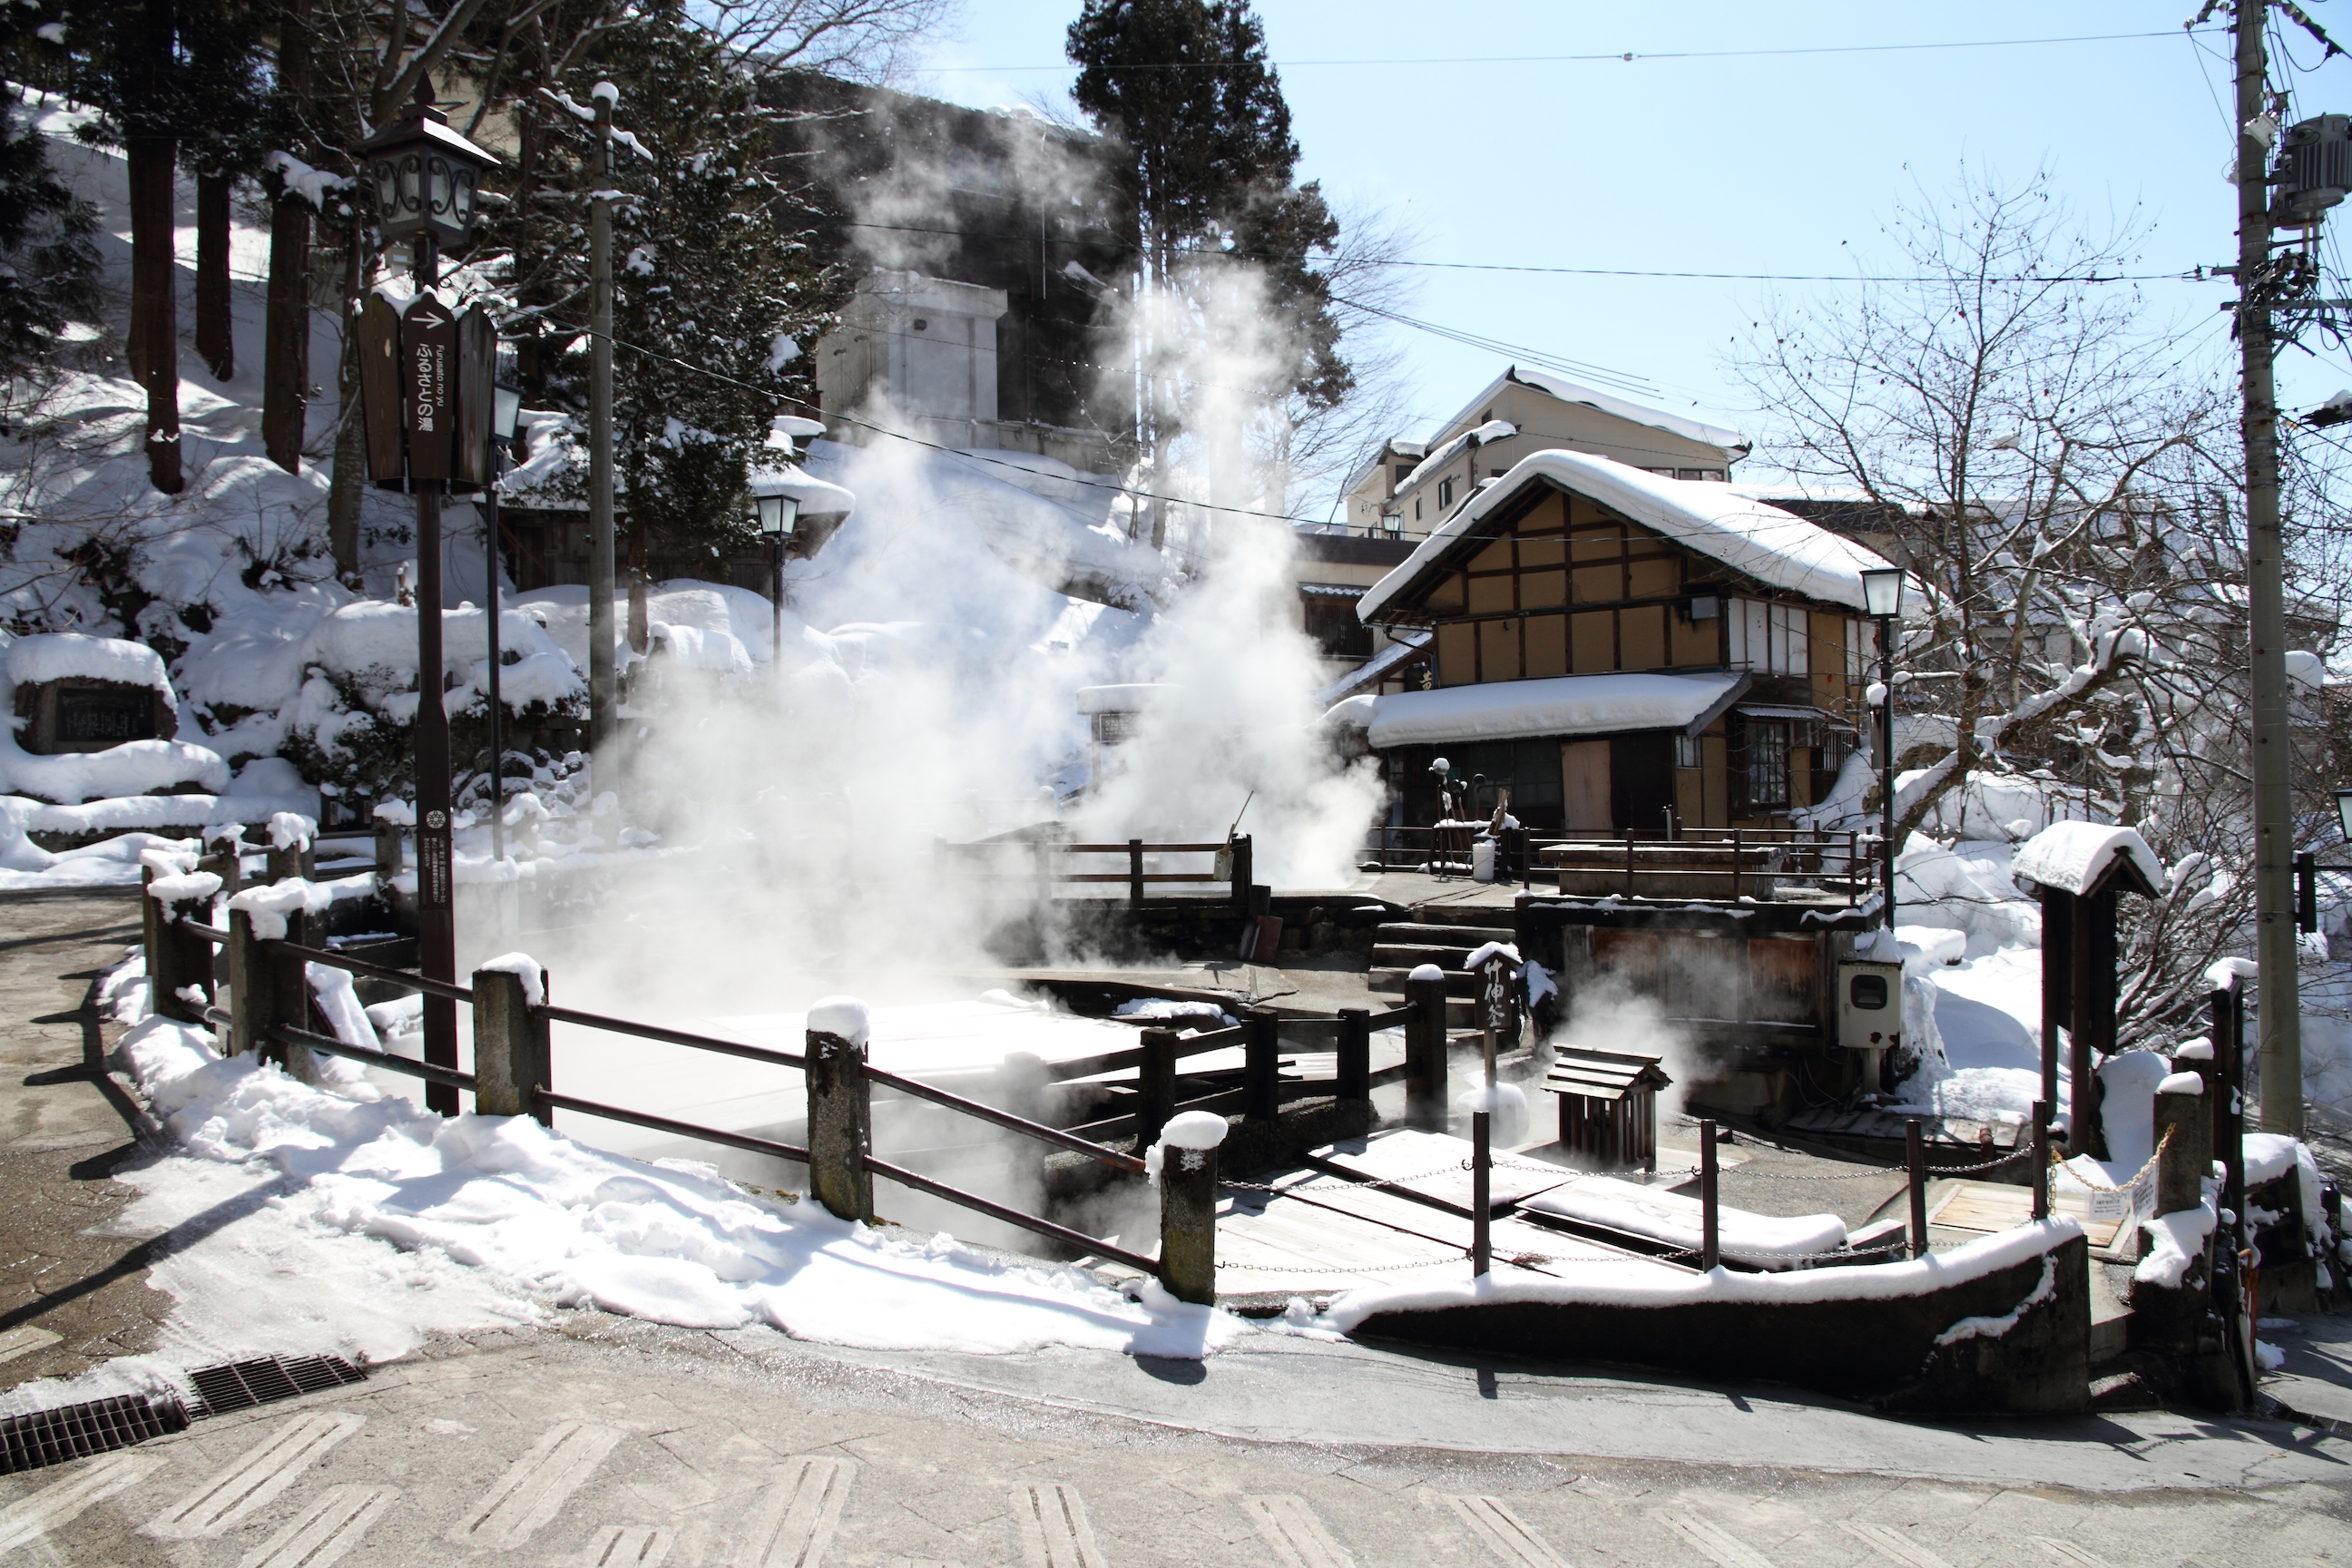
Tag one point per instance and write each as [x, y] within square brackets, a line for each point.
[2098, 1183]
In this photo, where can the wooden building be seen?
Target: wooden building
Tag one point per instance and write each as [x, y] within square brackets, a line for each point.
[1627, 652]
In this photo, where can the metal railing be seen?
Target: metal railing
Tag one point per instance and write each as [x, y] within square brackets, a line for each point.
[513, 1074]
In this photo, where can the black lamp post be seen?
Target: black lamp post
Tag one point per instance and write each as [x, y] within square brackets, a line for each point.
[780, 514]
[425, 375]
[505, 411]
[1881, 597]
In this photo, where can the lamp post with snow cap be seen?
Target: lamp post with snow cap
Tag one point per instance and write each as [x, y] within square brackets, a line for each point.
[779, 515]
[426, 393]
[1881, 597]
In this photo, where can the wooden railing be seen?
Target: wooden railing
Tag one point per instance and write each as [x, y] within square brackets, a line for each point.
[1043, 871]
[1708, 865]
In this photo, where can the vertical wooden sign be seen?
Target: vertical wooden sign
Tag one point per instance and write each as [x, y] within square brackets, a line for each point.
[477, 347]
[428, 385]
[380, 402]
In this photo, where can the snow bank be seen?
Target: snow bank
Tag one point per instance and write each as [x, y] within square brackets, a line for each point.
[2268, 1156]
[2071, 857]
[1771, 545]
[542, 1220]
[1649, 1286]
[1763, 1240]
[1562, 705]
[2175, 1241]
[61, 655]
[132, 768]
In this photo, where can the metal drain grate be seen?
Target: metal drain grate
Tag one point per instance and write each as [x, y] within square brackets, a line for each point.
[242, 1385]
[53, 1437]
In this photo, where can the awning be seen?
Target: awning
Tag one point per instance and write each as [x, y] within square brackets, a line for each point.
[1332, 589]
[1788, 710]
[1564, 705]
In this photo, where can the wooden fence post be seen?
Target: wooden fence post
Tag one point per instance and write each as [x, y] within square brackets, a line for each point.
[840, 1125]
[2186, 1140]
[258, 1002]
[1915, 1151]
[510, 1046]
[1352, 1073]
[2229, 1106]
[1188, 1211]
[1135, 871]
[1424, 1048]
[177, 961]
[1155, 1086]
[1711, 1231]
[2041, 1159]
[1242, 871]
[1024, 1086]
[1262, 1065]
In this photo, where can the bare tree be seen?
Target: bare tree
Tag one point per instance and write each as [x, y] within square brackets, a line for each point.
[2058, 473]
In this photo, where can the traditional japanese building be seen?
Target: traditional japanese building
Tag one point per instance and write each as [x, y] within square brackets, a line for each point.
[1626, 650]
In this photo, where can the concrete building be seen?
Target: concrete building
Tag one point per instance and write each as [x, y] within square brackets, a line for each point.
[1408, 487]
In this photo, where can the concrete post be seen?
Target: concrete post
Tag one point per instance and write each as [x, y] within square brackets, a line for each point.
[2185, 1159]
[1424, 1048]
[1188, 1222]
[840, 1126]
[510, 1048]
[1915, 1149]
[1155, 1086]
[2041, 1159]
[1710, 1243]
[1353, 1073]
[1262, 1065]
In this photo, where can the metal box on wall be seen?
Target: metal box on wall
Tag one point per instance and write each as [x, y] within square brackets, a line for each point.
[1869, 1005]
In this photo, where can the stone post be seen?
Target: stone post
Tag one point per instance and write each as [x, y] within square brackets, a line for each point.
[840, 1125]
[511, 1046]
[1188, 1207]
[2181, 1166]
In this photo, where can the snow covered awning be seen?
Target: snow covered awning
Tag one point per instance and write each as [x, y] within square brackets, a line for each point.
[1775, 548]
[1409, 646]
[1787, 711]
[1564, 705]
[2082, 858]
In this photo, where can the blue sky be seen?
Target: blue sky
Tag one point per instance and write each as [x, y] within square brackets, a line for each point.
[1761, 163]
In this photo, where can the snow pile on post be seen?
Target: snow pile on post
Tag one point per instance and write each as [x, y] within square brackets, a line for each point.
[526, 968]
[1185, 1129]
[2071, 857]
[1559, 705]
[843, 1016]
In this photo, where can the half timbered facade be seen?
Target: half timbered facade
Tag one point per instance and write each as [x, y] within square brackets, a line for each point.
[1624, 650]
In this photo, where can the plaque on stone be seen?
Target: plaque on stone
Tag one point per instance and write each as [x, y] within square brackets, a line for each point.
[104, 715]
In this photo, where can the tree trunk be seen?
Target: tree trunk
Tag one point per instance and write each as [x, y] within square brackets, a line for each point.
[348, 483]
[215, 334]
[286, 352]
[154, 343]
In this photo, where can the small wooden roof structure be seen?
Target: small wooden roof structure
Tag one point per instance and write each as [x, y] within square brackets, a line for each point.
[1590, 1073]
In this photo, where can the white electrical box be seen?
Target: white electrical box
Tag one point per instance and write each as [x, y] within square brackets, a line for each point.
[1870, 1006]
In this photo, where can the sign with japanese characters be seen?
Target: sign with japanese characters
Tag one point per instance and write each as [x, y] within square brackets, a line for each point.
[428, 387]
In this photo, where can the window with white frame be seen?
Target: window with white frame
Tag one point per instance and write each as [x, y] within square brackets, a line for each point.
[1776, 639]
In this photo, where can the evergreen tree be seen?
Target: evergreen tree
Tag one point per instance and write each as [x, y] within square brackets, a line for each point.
[1207, 171]
[712, 300]
[49, 266]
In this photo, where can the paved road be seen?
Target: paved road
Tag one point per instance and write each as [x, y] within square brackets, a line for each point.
[593, 1439]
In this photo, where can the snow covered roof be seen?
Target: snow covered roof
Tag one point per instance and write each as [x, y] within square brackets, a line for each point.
[1770, 545]
[1409, 645]
[1735, 445]
[818, 498]
[63, 656]
[2077, 856]
[1563, 705]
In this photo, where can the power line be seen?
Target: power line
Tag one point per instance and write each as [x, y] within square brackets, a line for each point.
[1307, 256]
[1628, 55]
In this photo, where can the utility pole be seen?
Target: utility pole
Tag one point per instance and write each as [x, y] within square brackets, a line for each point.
[2275, 936]
[602, 696]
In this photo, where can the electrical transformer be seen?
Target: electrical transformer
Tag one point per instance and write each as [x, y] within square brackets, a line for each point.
[2314, 171]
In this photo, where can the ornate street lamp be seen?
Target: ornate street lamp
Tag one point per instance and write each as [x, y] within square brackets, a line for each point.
[425, 376]
[1882, 598]
[779, 516]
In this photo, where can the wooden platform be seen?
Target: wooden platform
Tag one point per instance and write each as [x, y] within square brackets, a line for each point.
[1983, 1207]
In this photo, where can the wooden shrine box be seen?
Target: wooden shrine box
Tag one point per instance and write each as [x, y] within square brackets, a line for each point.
[1608, 1106]
[74, 713]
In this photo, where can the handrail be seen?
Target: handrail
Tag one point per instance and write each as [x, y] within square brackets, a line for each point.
[288, 1035]
[1147, 848]
[554, 1013]
[428, 986]
[1061, 1233]
[1146, 877]
[195, 928]
[1005, 1119]
[743, 1141]
[1132, 1056]
[1390, 1019]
